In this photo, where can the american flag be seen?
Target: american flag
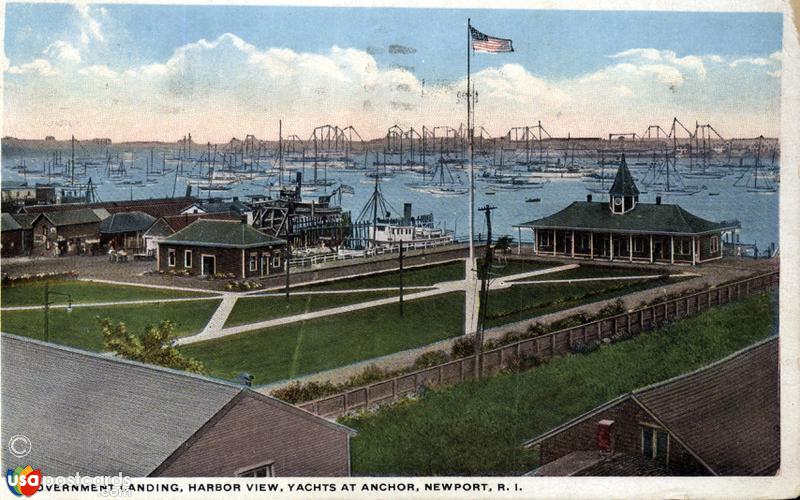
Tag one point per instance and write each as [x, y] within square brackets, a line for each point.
[485, 43]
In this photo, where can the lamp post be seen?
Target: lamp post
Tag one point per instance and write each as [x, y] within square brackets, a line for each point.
[47, 303]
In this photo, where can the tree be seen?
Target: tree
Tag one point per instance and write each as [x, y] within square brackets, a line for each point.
[504, 243]
[154, 345]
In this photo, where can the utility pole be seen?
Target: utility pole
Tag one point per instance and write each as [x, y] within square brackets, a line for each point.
[401, 277]
[484, 275]
[287, 254]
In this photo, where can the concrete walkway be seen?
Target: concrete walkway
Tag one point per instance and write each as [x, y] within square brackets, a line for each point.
[220, 316]
[217, 330]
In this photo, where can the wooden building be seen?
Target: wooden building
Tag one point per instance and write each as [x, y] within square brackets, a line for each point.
[210, 247]
[170, 224]
[721, 420]
[125, 231]
[624, 229]
[68, 232]
[14, 237]
[98, 415]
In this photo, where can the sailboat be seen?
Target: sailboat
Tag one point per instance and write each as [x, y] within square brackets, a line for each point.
[754, 179]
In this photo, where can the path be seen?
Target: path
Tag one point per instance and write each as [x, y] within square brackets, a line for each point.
[217, 330]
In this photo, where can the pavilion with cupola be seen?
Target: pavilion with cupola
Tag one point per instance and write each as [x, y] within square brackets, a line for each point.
[625, 229]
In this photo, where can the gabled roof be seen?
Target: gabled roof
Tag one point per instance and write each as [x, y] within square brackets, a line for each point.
[223, 206]
[221, 233]
[650, 218]
[100, 415]
[25, 220]
[7, 223]
[624, 184]
[727, 414]
[126, 222]
[72, 217]
[180, 221]
[591, 463]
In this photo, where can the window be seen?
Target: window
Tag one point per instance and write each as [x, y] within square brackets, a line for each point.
[544, 239]
[638, 244]
[187, 258]
[260, 471]
[685, 246]
[253, 261]
[171, 257]
[655, 443]
[276, 261]
[714, 244]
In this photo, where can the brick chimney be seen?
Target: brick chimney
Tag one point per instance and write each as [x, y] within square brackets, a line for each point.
[605, 437]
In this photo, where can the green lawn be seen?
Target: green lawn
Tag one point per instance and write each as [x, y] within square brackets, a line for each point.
[476, 428]
[521, 302]
[255, 308]
[589, 271]
[83, 292]
[415, 276]
[519, 266]
[81, 329]
[301, 348]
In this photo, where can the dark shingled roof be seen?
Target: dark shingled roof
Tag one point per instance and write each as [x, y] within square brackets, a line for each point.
[96, 414]
[7, 223]
[99, 415]
[126, 222]
[650, 218]
[726, 414]
[221, 233]
[591, 463]
[623, 182]
[25, 220]
[72, 217]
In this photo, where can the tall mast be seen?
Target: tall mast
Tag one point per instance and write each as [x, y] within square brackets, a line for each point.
[280, 150]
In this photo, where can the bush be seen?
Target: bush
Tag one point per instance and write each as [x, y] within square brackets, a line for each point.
[612, 309]
[369, 375]
[29, 278]
[296, 392]
[430, 358]
[463, 347]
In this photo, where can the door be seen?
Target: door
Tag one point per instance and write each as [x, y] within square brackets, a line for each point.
[209, 265]
[264, 264]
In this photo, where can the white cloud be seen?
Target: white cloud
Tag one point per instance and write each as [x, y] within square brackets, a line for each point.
[63, 51]
[668, 57]
[37, 66]
[227, 86]
[755, 61]
[99, 70]
[91, 27]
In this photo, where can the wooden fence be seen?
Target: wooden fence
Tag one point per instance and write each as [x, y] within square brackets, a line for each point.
[543, 347]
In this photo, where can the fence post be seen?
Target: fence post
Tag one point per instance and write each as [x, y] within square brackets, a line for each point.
[394, 388]
[440, 374]
[553, 344]
[628, 317]
[366, 397]
[747, 288]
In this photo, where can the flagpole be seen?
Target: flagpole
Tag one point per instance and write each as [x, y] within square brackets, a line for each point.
[469, 151]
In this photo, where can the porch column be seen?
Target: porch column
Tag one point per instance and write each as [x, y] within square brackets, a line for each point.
[554, 242]
[694, 250]
[519, 240]
[591, 245]
[158, 255]
[535, 242]
[671, 249]
[630, 248]
[611, 245]
[243, 264]
[651, 248]
[573, 244]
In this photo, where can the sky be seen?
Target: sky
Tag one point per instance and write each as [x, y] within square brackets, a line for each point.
[144, 72]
